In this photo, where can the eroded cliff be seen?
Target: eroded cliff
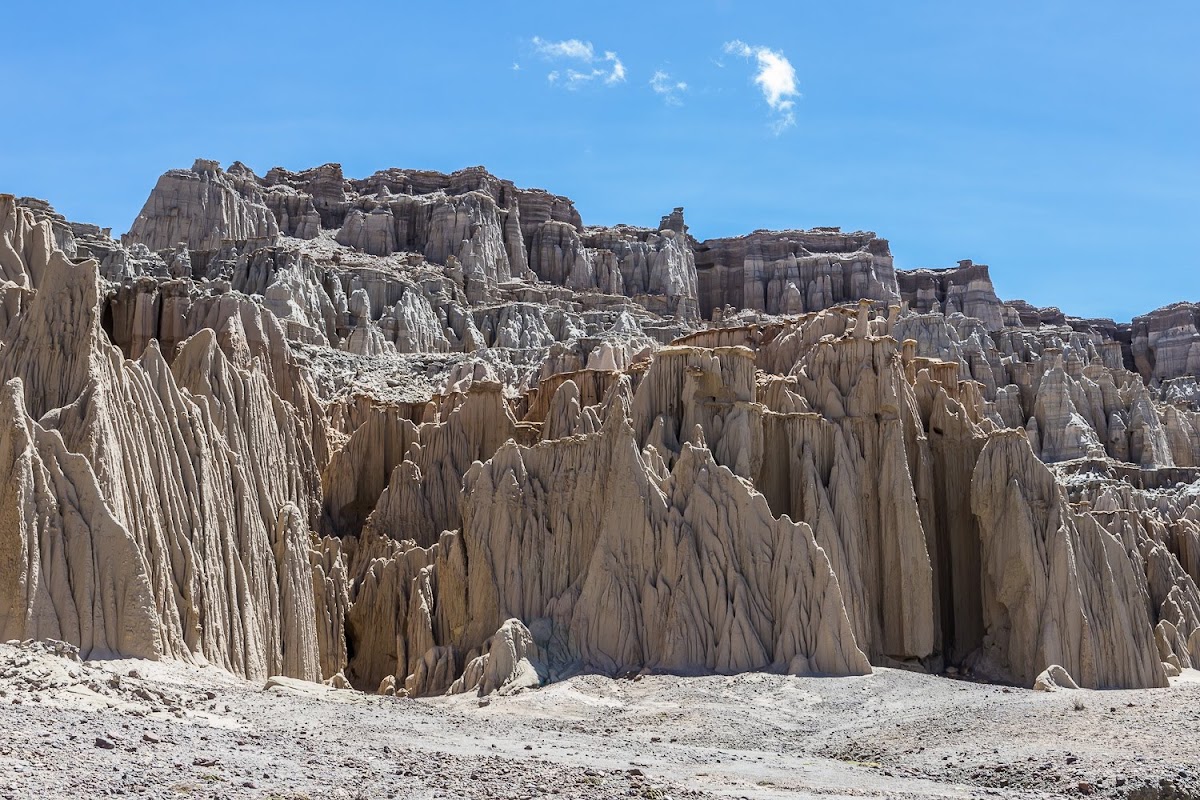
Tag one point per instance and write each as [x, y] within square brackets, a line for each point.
[426, 433]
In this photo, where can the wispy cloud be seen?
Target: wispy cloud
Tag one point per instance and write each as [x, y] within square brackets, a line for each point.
[618, 69]
[668, 88]
[775, 76]
[606, 68]
[567, 48]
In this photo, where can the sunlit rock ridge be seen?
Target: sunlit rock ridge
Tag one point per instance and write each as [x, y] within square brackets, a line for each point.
[424, 433]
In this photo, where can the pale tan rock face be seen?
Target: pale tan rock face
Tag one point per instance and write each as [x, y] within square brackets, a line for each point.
[425, 490]
[965, 289]
[526, 456]
[625, 569]
[200, 207]
[847, 469]
[1058, 589]
[70, 568]
[216, 549]
[25, 247]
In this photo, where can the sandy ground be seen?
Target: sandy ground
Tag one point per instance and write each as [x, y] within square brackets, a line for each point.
[169, 730]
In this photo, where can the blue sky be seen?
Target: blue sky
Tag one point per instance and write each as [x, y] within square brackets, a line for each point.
[1058, 142]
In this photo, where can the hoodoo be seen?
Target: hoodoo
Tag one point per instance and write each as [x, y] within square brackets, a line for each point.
[430, 433]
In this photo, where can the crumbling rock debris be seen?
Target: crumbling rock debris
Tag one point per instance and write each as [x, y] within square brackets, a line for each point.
[1053, 678]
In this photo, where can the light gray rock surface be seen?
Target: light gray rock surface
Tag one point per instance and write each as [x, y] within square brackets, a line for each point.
[430, 433]
[820, 268]
[965, 289]
[202, 206]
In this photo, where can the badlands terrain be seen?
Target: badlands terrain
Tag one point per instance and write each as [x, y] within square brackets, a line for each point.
[416, 484]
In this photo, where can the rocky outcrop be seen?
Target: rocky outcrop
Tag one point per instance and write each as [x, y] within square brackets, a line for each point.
[527, 456]
[794, 271]
[965, 289]
[203, 206]
[1058, 588]
[425, 490]
[512, 662]
[653, 263]
[68, 568]
[877, 461]
[201, 548]
[622, 566]
[1166, 342]
[26, 247]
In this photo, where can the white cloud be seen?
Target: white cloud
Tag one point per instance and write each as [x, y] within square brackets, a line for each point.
[607, 68]
[738, 48]
[668, 89]
[575, 78]
[568, 48]
[775, 76]
[618, 69]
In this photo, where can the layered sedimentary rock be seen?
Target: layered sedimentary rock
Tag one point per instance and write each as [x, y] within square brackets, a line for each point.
[790, 272]
[202, 206]
[966, 288]
[425, 433]
[1166, 342]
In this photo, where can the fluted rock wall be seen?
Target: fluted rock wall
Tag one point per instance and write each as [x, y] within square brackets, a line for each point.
[622, 563]
[201, 207]
[965, 289]
[653, 263]
[901, 485]
[424, 491]
[1058, 588]
[1166, 342]
[201, 544]
[68, 568]
[790, 272]
[526, 454]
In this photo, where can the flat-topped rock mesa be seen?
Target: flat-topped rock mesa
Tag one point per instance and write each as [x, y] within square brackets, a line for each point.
[423, 433]
[1166, 342]
[966, 289]
[791, 272]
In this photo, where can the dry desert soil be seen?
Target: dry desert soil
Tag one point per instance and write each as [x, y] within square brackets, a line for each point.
[160, 729]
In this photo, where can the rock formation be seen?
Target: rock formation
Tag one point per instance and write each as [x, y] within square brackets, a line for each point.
[426, 433]
[201, 207]
[1166, 342]
[965, 289]
[794, 271]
